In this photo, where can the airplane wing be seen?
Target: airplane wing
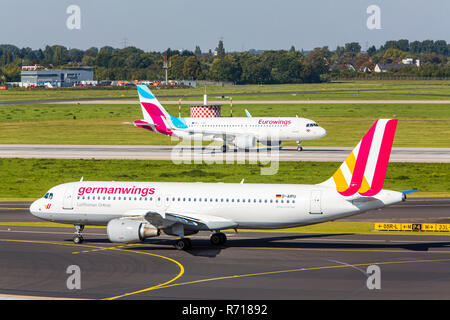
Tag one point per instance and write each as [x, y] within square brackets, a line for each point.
[165, 218]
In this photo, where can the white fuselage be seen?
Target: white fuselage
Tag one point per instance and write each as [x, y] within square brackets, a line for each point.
[262, 128]
[248, 205]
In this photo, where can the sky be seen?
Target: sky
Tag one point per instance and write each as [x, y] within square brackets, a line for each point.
[241, 24]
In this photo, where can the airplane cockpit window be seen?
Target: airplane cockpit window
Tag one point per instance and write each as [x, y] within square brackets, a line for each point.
[311, 125]
[48, 195]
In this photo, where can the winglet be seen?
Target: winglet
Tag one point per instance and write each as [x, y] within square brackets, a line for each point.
[408, 191]
[248, 113]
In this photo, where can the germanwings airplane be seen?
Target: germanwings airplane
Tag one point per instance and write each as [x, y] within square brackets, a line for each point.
[134, 211]
[244, 133]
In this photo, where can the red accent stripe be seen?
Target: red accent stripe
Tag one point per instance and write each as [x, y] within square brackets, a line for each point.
[361, 162]
[383, 159]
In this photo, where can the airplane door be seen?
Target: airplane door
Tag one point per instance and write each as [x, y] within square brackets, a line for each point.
[315, 202]
[68, 198]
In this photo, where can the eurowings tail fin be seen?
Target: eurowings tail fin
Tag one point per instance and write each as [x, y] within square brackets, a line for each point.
[365, 168]
[154, 113]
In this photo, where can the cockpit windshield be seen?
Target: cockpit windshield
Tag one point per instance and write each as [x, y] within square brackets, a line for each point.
[48, 195]
[311, 125]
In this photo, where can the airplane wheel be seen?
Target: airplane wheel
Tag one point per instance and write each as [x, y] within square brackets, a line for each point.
[299, 148]
[223, 238]
[183, 244]
[78, 239]
[218, 239]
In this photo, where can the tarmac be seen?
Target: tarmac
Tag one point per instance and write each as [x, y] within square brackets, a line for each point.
[34, 262]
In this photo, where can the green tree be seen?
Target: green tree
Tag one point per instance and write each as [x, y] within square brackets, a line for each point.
[225, 69]
[191, 68]
[177, 65]
[391, 55]
[220, 50]
[353, 48]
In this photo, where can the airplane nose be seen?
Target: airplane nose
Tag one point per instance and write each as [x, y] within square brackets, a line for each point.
[35, 208]
[322, 132]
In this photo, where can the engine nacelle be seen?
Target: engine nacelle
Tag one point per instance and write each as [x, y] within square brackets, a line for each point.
[126, 230]
[245, 142]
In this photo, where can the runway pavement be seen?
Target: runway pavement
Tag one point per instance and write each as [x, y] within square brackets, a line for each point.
[253, 265]
[190, 154]
[238, 102]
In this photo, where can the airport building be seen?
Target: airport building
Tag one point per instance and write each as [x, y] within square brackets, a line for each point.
[56, 77]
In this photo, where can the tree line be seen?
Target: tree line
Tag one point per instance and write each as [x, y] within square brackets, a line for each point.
[250, 67]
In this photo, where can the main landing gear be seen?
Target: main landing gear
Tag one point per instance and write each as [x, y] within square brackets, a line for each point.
[183, 244]
[218, 239]
[78, 238]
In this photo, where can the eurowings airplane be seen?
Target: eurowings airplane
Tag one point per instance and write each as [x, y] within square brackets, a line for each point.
[134, 211]
[242, 132]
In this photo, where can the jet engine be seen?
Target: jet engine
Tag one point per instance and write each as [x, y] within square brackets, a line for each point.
[127, 230]
[245, 142]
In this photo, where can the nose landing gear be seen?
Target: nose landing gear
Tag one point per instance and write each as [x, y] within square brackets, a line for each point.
[78, 238]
